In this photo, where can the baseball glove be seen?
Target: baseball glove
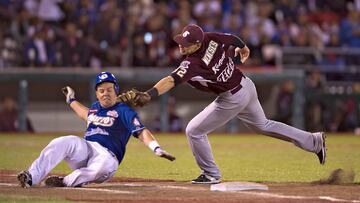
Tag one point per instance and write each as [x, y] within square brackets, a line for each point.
[141, 98]
[127, 98]
[134, 98]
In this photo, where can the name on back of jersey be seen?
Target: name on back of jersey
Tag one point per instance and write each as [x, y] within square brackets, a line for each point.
[106, 121]
[210, 51]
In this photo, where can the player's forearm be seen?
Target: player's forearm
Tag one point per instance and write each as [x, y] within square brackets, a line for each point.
[161, 87]
[164, 85]
[80, 110]
[146, 137]
[149, 140]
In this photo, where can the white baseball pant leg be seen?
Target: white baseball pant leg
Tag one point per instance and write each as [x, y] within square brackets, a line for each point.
[74, 150]
[100, 167]
[197, 129]
[253, 116]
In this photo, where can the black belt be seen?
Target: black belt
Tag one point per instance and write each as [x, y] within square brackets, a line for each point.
[237, 88]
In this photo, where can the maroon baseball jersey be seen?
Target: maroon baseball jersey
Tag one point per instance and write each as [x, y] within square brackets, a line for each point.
[210, 68]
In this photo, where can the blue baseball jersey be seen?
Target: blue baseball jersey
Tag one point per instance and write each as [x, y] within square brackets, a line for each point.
[112, 127]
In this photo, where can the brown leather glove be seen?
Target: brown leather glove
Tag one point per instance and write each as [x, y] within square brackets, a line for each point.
[141, 98]
[134, 98]
[127, 98]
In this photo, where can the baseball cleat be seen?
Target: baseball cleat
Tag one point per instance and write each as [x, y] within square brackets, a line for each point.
[55, 181]
[25, 179]
[205, 179]
[322, 153]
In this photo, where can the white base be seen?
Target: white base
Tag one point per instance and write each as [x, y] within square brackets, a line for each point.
[238, 186]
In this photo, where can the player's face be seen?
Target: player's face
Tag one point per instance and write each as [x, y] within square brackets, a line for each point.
[189, 50]
[106, 94]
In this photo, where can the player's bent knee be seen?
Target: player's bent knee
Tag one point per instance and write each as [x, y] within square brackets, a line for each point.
[192, 132]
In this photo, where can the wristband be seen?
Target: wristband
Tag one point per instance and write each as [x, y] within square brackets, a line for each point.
[71, 100]
[153, 92]
[238, 42]
[153, 145]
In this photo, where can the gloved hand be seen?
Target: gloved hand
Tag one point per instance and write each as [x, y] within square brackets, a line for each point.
[69, 94]
[127, 98]
[134, 98]
[141, 98]
[162, 153]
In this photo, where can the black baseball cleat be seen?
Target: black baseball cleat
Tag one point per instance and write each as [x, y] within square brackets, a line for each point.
[322, 153]
[25, 179]
[55, 181]
[205, 179]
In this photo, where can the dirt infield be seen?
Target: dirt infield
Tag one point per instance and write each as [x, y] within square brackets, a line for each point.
[149, 190]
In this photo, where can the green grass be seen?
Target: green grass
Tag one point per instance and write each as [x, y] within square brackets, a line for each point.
[242, 158]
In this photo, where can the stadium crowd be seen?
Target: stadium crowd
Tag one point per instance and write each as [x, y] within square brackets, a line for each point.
[138, 33]
[95, 33]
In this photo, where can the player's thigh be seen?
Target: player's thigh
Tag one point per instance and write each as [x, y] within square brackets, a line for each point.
[77, 151]
[253, 115]
[209, 119]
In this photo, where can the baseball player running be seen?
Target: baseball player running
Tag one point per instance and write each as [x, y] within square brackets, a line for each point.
[208, 66]
[96, 157]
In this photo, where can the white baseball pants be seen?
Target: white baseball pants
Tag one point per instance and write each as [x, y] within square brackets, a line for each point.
[90, 161]
[244, 105]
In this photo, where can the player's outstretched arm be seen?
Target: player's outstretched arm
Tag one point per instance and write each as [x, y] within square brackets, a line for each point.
[149, 140]
[136, 98]
[79, 109]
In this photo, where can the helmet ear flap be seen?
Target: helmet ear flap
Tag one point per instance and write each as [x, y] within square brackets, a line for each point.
[117, 89]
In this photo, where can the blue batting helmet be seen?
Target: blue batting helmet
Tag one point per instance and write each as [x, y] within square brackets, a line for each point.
[107, 77]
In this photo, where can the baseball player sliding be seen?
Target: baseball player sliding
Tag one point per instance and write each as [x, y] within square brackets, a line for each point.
[96, 157]
[208, 66]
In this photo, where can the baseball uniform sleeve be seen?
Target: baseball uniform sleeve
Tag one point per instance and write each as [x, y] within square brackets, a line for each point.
[132, 122]
[227, 39]
[185, 71]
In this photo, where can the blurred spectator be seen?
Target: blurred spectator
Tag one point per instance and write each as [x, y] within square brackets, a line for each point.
[49, 11]
[208, 13]
[9, 117]
[39, 51]
[316, 113]
[175, 122]
[20, 26]
[74, 52]
[350, 29]
[344, 119]
[284, 103]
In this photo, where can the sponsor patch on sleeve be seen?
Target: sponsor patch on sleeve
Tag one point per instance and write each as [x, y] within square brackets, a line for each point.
[136, 122]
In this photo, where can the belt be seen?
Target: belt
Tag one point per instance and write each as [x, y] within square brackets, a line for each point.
[236, 89]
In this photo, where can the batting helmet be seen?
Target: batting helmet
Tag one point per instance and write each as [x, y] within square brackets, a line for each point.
[107, 77]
